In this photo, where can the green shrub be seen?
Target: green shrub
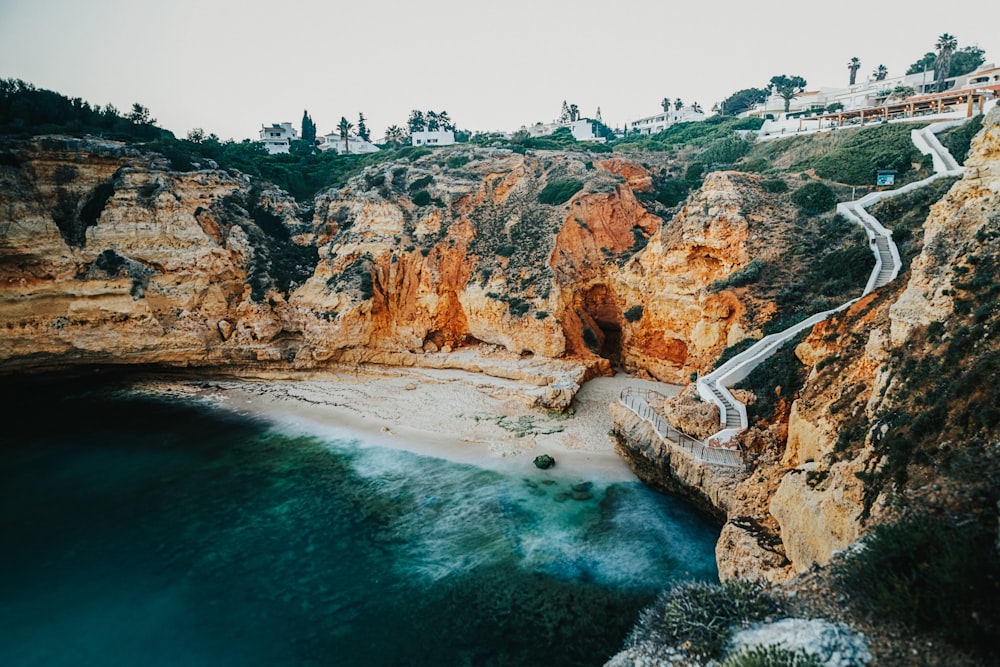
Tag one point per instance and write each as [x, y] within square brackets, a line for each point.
[421, 183]
[560, 190]
[506, 250]
[958, 140]
[672, 192]
[541, 314]
[783, 369]
[726, 151]
[856, 161]
[774, 185]
[745, 276]
[590, 338]
[634, 314]
[702, 615]
[772, 656]
[814, 198]
[456, 161]
[421, 198]
[930, 575]
[694, 171]
[518, 306]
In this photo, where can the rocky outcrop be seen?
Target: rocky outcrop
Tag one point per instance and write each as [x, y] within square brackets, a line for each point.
[684, 325]
[884, 416]
[108, 256]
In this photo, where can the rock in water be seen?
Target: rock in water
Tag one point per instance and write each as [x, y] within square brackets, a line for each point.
[544, 461]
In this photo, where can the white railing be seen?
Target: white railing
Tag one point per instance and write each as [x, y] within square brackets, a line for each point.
[714, 386]
[638, 402]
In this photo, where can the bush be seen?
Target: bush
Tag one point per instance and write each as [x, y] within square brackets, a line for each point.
[814, 198]
[421, 198]
[456, 161]
[421, 183]
[559, 191]
[701, 616]
[774, 185]
[745, 276]
[634, 314]
[772, 656]
[856, 161]
[930, 576]
[958, 140]
[672, 192]
[725, 151]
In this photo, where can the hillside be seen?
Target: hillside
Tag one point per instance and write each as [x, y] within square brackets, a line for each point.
[551, 267]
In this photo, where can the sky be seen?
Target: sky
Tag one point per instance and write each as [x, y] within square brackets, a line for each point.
[229, 66]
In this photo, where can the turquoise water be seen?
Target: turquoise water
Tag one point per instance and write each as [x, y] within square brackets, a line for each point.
[149, 533]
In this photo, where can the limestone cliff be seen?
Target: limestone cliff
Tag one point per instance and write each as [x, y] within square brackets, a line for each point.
[898, 413]
[108, 256]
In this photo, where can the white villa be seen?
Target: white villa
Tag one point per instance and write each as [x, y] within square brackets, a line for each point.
[661, 121]
[582, 130]
[278, 137]
[355, 144]
[433, 138]
[880, 100]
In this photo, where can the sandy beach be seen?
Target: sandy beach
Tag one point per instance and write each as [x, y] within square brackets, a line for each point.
[452, 414]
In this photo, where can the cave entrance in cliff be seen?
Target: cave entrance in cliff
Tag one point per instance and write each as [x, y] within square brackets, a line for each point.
[611, 345]
[602, 323]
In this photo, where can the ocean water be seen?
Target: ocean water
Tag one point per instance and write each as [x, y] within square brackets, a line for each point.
[150, 533]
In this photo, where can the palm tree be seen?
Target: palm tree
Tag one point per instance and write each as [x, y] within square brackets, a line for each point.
[880, 73]
[696, 108]
[665, 104]
[678, 104]
[945, 46]
[345, 127]
[853, 66]
[574, 113]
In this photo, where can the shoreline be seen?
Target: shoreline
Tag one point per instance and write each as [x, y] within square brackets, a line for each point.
[456, 415]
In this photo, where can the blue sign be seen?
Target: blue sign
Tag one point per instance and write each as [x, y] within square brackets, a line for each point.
[886, 178]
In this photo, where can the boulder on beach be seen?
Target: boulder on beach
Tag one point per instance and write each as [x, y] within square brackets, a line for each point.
[544, 461]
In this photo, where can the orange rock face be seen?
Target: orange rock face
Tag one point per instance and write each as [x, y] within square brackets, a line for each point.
[118, 259]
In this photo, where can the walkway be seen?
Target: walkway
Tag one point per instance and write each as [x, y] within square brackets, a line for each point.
[714, 387]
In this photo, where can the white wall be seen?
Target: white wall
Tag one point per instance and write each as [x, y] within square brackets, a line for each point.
[435, 138]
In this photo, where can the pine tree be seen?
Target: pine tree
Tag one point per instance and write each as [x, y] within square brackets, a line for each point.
[308, 129]
[564, 114]
[363, 129]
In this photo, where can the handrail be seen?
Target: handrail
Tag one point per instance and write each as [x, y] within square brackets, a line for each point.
[638, 402]
[714, 386]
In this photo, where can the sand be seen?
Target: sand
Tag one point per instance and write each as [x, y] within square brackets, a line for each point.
[451, 414]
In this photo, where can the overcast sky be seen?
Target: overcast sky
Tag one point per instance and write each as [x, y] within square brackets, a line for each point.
[228, 66]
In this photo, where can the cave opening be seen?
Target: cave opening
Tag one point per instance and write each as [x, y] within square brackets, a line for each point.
[601, 317]
[611, 342]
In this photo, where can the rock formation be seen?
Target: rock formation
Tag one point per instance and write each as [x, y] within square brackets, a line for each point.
[108, 257]
[897, 414]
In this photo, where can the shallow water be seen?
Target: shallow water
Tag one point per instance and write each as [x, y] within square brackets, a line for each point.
[151, 533]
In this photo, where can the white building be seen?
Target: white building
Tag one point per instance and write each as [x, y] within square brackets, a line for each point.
[582, 130]
[661, 121]
[277, 138]
[433, 138]
[355, 145]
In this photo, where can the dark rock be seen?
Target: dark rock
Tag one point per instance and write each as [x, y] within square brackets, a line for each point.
[544, 461]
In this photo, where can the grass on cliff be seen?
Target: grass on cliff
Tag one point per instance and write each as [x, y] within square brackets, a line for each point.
[775, 382]
[931, 576]
[857, 160]
[700, 617]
